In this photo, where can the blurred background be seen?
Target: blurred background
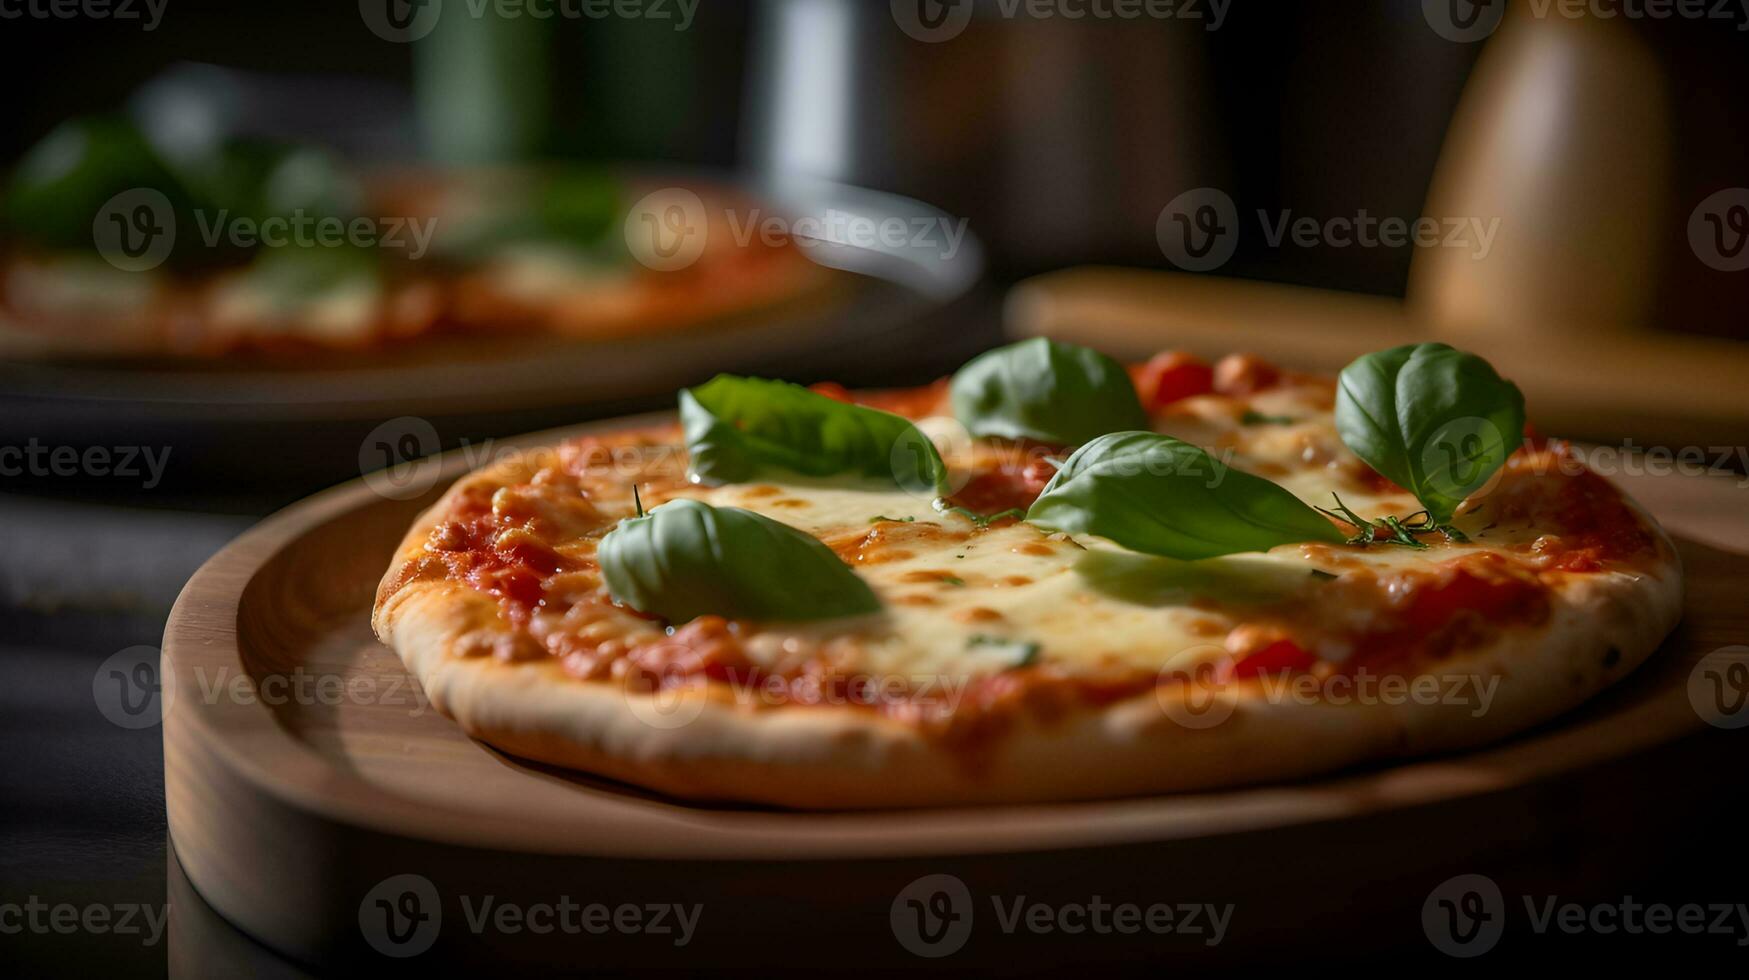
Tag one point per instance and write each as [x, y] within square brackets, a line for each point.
[1558, 183]
[1059, 138]
[1562, 187]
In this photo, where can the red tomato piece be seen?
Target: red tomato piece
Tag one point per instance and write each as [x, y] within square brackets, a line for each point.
[1237, 375]
[832, 390]
[1281, 656]
[1171, 377]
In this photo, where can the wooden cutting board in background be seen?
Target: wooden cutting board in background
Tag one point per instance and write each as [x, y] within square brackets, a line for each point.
[1654, 388]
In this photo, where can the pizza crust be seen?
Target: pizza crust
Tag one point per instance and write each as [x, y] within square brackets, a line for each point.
[698, 744]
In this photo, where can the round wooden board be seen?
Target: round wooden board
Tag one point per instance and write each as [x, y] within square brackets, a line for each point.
[302, 768]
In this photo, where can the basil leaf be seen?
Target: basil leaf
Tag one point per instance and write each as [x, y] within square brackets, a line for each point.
[62, 184]
[1047, 391]
[739, 429]
[1436, 421]
[1159, 495]
[567, 212]
[687, 559]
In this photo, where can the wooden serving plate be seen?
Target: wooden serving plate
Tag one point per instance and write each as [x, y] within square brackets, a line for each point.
[286, 815]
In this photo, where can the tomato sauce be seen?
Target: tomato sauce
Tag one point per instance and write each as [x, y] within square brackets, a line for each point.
[1171, 377]
[1462, 604]
[512, 568]
[1013, 484]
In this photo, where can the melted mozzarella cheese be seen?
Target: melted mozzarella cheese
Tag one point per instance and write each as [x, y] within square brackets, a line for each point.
[961, 601]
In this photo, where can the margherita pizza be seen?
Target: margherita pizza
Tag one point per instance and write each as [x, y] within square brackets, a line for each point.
[112, 246]
[1048, 577]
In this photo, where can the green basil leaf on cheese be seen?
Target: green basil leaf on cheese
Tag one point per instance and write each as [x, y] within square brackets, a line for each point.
[1161, 496]
[741, 429]
[1047, 391]
[687, 559]
[1436, 421]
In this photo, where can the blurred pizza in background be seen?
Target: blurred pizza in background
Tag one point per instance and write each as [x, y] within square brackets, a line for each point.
[116, 245]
